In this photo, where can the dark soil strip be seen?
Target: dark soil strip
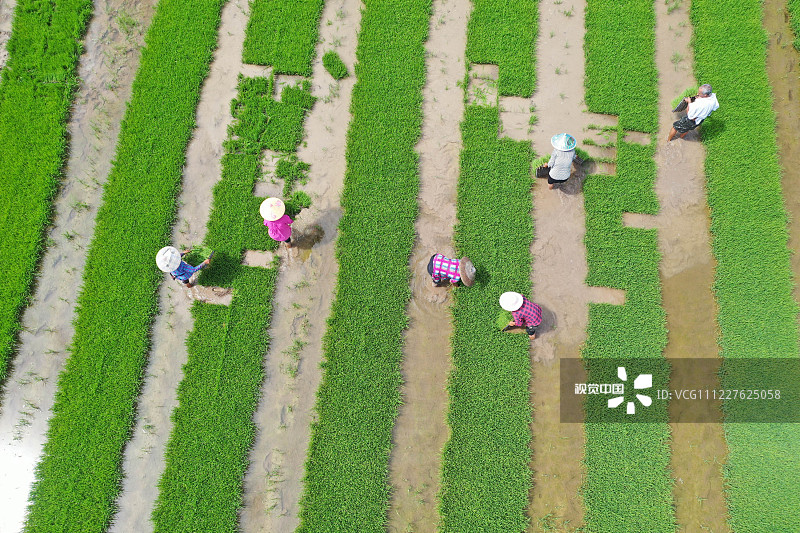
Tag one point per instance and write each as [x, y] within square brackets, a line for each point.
[783, 67]
[687, 273]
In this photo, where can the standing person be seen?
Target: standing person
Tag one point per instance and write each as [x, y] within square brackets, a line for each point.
[443, 269]
[524, 312]
[169, 260]
[561, 160]
[700, 107]
[278, 223]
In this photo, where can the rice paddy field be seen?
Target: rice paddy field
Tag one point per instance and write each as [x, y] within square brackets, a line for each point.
[330, 386]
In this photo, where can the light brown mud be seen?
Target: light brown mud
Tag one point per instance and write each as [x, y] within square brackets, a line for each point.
[782, 68]
[143, 463]
[304, 292]
[559, 265]
[106, 70]
[6, 18]
[687, 273]
[421, 430]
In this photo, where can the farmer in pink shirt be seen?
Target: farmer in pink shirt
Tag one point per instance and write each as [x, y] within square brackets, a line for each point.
[273, 210]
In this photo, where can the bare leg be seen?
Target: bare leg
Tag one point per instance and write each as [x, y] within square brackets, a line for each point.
[672, 133]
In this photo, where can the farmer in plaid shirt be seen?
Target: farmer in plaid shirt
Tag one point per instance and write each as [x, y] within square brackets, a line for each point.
[524, 312]
[443, 269]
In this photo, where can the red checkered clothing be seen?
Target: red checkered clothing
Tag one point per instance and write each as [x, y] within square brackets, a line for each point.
[529, 314]
[445, 268]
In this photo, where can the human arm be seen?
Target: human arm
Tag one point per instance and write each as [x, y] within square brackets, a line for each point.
[552, 158]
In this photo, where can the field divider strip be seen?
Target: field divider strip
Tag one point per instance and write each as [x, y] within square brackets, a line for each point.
[37, 87]
[753, 279]
[346, 482]
[78, 477]
[207, 453]
[627, 486]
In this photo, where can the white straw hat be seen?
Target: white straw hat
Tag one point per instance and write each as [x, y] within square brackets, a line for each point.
[168, 259]
[272, 209]
[563, 141]
[511, 301]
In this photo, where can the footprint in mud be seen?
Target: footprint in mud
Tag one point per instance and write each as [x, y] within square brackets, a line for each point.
[213, 295]
[436, 295]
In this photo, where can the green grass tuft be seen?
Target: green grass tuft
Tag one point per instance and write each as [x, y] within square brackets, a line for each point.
[334, 65]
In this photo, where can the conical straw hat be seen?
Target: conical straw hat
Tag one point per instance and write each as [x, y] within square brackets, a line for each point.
[563, 141]
[511, 301]
[168, 259]
[466, 271]
[272, 209]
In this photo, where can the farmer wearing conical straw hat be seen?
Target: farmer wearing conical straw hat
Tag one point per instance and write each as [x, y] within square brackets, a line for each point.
[443, 269]
[523, 312]
[561, 160]
[273, 211]
[169, 260]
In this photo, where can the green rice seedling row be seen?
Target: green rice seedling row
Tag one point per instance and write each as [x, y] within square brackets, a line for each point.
[485, 471]
[206, 456]
[627, 485]
[618, 80]
[283, 34]
[753, 283]
[794, 12]
[78, 477]
[503, 33]
[36, 91]
[346, 482]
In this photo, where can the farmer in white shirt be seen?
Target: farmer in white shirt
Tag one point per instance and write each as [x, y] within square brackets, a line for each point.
[704, 103]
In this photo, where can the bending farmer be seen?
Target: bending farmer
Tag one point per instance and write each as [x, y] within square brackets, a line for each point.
[524, 312]
[278, 223]
[700, 107]
[444, 269]
[169, 260]
[561, 160]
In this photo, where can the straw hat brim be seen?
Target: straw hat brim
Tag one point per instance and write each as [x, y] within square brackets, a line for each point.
[466, 271]
[272, 209]
[168, 259]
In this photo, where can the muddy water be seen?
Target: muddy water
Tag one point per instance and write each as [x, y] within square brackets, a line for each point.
[144, 456]
[783, 68]
[687, 273]
[273, 483]
[559, 228]
[106, 70]
[420, 429]
[6, 18]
